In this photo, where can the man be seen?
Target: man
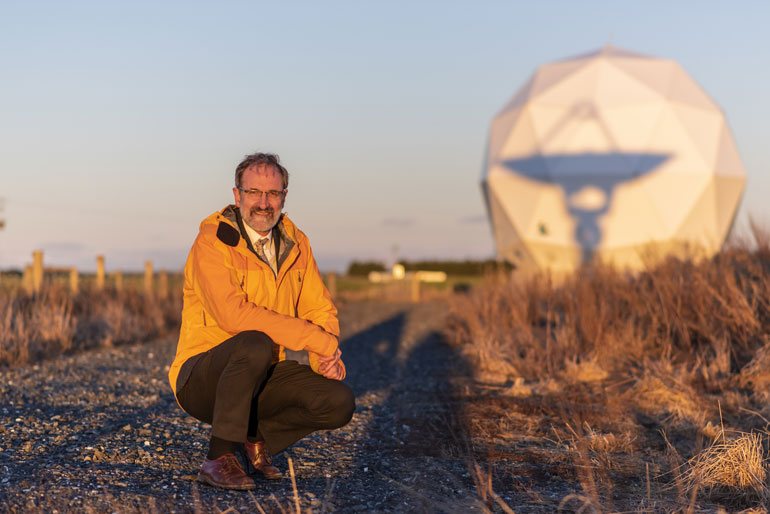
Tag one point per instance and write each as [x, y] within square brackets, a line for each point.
[251, 289]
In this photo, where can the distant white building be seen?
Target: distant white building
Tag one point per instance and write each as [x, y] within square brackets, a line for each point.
[613, 154]
[398, 272]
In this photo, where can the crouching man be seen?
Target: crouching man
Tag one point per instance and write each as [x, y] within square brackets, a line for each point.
[251, 290]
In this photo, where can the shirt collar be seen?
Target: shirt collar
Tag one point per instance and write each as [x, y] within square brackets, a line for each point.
[254, 236]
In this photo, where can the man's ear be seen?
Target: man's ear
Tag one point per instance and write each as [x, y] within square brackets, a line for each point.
[237, 196]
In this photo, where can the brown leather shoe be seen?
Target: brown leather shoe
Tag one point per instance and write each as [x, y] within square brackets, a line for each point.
[260, 460]
[225, 472]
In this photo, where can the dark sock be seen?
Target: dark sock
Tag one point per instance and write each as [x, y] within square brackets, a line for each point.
[255, 438]
[219, 447]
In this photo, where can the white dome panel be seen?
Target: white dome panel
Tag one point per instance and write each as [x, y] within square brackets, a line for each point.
[522, 138]
[632, 126]
[576, 89]
[615, 87]
[654, 73]
[500, 132]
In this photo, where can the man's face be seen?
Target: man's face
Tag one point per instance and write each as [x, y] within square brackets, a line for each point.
[260, 211]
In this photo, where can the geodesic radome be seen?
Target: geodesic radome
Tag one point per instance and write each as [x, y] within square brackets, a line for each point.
[613, 154]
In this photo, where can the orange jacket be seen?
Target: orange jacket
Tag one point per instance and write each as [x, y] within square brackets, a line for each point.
[228, 289]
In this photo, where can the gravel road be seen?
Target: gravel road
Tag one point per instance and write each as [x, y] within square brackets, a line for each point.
[101, 432]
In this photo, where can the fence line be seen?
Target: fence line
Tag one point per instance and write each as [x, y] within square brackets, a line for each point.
[36, 275]
[158, 283]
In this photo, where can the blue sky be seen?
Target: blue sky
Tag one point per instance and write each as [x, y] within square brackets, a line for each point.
[121, 122]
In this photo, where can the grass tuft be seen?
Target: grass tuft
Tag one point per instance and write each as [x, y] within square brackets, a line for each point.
[734, 469]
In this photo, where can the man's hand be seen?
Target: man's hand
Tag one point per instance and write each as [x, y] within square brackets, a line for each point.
[332, 366]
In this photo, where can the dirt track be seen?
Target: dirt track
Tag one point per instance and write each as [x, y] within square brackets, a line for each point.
[101, 430]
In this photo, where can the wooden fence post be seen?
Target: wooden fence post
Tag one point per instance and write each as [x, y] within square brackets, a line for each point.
[118, 281]
[331, 283]
[163, 284]
[26, 280]
[99, 272]
[37, 270]
[415, 287]
[74, 280]
[148, 290]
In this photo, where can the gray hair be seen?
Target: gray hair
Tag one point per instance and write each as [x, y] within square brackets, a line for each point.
[261, 159]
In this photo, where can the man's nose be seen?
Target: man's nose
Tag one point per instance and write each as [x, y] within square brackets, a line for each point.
[262, 202]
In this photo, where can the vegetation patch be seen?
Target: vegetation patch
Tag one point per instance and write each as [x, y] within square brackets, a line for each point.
[38, 326]
[649, 389]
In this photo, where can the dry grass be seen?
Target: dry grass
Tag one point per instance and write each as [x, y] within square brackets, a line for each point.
[55, 321]
[595, 369]
[735, 469]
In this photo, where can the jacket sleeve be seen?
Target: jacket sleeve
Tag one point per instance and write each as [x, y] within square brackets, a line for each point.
[315, 304]
[215, 282]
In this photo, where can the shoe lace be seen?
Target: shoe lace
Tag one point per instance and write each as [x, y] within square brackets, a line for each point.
[262, 455]
[231, 464]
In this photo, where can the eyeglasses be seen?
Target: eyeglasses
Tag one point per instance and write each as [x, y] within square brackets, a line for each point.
[256, 194]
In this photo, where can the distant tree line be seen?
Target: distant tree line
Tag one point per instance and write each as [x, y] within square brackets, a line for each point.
[466, 267]
[362, 268]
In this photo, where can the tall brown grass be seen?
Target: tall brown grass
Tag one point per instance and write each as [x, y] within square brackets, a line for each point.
[608, 359]
[55, 321]
[712, 314]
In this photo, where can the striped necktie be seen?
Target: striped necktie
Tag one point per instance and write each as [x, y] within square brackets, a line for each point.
[262, 252]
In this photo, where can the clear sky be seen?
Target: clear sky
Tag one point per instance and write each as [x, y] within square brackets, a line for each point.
[121, 122]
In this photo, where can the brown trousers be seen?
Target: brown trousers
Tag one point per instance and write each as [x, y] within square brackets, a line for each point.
[235, 387]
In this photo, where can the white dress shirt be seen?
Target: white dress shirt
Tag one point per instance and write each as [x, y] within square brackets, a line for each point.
[256, 242]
